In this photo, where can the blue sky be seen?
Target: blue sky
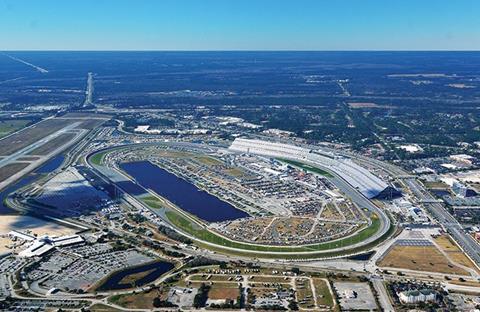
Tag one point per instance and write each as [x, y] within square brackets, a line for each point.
[240, 25]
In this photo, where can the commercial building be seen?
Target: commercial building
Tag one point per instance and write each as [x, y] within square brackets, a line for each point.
[462, 190]
[416, 296]
[44, 244]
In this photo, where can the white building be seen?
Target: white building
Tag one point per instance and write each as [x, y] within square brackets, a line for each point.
[459, 189]
[44, 244]
[358, 177]
[416, 296]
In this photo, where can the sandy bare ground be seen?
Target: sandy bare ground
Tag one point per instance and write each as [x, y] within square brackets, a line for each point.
[27, 224]
[32, 225]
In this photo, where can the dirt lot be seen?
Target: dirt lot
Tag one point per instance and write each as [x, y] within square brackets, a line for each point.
[304, 293]
[420, 258]
[213, 278]
[34, 225]
[218, 292]
[454, 252]
[53, 144]
[142, 300]
[331, 213]
[10, 169]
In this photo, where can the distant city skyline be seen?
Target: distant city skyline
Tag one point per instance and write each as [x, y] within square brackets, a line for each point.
[239, 25]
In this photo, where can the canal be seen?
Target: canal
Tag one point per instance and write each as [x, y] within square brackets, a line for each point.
[182, 193]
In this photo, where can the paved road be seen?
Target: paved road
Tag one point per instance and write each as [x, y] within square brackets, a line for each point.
[114, 176]
[451, 225]
[89, 91]
[382, 295]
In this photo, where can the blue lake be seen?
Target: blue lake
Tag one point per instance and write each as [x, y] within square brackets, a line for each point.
[182, 193]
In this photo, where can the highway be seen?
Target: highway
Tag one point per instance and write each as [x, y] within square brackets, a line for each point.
[89, 91]
[450, 224]
[436, 209]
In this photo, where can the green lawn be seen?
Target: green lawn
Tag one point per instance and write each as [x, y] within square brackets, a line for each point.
[203, 234]
[12, 125]
[152, 202]
[306, 167]
[324, 296]
[97, 158]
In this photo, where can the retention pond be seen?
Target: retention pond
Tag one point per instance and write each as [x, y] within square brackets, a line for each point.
[182, 193]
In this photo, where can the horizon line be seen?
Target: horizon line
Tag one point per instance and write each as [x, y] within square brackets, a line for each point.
[237, 50]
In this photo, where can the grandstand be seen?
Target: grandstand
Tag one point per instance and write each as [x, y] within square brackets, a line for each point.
[361, 179]
[271, 149]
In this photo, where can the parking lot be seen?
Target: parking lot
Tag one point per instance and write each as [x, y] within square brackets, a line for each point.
[355, 296]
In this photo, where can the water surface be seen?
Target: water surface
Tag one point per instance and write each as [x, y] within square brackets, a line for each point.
[182, 193]
[158, 269]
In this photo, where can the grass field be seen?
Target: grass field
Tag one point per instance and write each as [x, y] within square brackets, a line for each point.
[234, 172]
[133, 278]
[269, 279]
[223, 292]
[457, 255]
[31, 135]
[97, 158]
[435, 185]
[12, 125]
[306, 167]
[420, 258]
[152, 202]
[304, 293]
[324, 297]
[213, 278]
[201, 233]
[142, 300]
[11, 169]
[207, 160]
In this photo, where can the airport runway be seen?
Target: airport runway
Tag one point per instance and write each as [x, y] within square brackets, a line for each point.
[42, 159]
[13, 157]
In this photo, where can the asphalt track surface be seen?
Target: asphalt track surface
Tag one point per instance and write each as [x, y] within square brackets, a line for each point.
[355, 196]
